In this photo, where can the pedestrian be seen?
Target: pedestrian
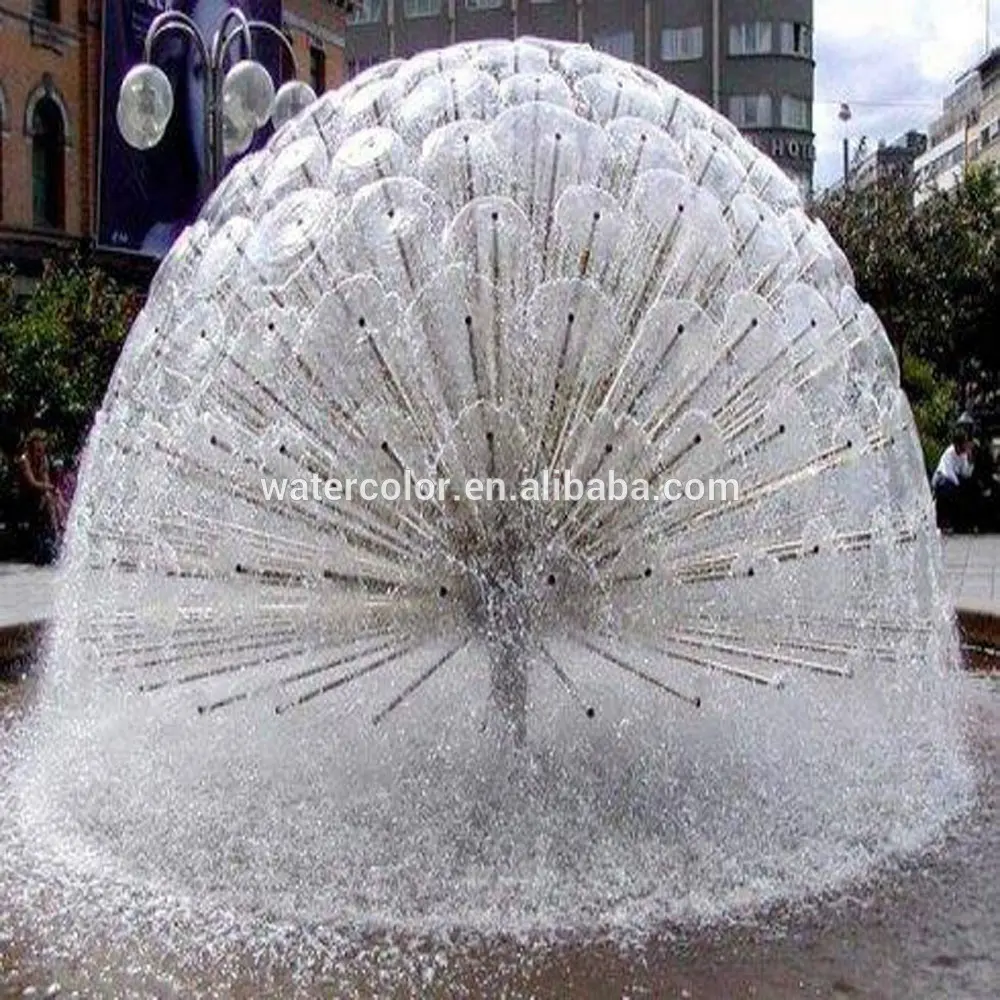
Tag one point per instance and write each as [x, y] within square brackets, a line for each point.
[950, 482]
[39, 498]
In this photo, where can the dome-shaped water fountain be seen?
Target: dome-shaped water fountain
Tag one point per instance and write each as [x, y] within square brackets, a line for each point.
[530, 714]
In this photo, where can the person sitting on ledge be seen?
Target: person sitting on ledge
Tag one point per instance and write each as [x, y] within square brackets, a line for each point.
[39, 498]
[950, 483]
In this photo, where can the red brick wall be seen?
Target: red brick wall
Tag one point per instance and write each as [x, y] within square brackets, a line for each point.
[72, 67]
[332, 21]
[68, 67]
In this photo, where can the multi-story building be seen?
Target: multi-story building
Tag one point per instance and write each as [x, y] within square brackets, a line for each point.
[956, 108]
[941, 168]
[50, 110]
[967, 132]
[888, 161]
[984, 129]
[750, 59]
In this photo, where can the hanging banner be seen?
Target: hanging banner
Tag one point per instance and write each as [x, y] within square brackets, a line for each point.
[146, 198]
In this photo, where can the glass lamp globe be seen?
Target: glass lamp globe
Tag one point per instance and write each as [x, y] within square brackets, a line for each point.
[236, 135]
[247, 94]
[145, 104]
[292, 97]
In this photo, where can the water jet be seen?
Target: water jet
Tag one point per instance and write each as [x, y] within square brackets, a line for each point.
[496, 261]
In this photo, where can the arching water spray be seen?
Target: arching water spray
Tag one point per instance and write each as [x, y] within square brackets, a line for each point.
[271, 693]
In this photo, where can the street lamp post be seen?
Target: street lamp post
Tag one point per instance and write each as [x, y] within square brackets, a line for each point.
[845, 116]
[238, 100]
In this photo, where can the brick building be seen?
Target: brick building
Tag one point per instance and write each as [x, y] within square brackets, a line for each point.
[50, 97]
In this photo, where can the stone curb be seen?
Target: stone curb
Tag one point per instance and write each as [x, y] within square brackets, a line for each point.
[18, 645]
[979, 629]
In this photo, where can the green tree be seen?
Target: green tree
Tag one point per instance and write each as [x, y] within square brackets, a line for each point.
[934, 402]
[960, 254]
[58, 347]
[933, 275]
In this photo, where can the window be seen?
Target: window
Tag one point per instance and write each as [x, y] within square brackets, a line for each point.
[682, 44]
[796, 39]
[45, 10]
[752, 39]
[317, 69]
[483, 4]
[48, 145]
[953, 159]
[616, 43]
[366, 12]
[794, 113]
[750, 111]
[421, 8]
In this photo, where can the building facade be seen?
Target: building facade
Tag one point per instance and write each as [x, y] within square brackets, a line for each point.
[967, 132]
[941, 168]
[984, 128]
[50, 114]
[749, 59]
[889, 161]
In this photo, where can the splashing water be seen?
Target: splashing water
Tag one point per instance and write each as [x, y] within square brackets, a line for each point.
[496, 260]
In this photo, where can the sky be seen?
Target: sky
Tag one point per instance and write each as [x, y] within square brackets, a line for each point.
[892, 61]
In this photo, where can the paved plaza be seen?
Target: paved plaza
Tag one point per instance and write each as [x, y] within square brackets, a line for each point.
[25, 594]
[972, 565]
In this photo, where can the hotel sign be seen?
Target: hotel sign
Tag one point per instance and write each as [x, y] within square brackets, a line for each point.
[780, 148]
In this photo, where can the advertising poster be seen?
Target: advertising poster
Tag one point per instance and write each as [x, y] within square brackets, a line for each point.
[146, 198]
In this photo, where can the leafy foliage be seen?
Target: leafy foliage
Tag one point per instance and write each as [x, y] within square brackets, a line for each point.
[933, 275]
[58, 347]
[934, 403]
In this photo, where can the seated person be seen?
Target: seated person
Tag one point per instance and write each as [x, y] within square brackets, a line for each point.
[950, 482]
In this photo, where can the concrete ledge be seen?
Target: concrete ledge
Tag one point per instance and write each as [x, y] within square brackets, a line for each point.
[979, 628]
[19, 644]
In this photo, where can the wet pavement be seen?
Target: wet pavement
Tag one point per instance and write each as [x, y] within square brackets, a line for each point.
[927, 930]
[972, 568]
[25, 594]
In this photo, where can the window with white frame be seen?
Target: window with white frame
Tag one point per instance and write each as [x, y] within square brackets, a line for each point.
[483, 4]
[750, 110]
[682, 44]
[421, 8]
[794, 113]
[616, 43]
[796, 39]
[367, 12]
[751, 39]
